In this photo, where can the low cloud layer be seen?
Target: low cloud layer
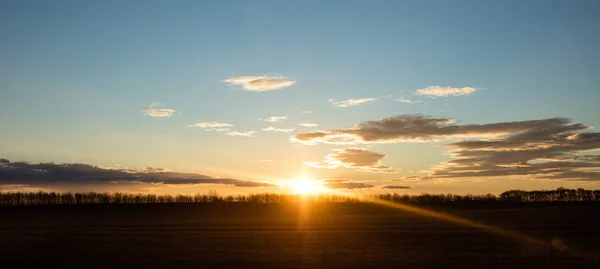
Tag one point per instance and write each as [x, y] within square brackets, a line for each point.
[396, 187]
[345, 184]
[351, 102]
[275, 119]
[260, 83]
[155, 112]
[439, 91]
[355, 158]
[51, 174]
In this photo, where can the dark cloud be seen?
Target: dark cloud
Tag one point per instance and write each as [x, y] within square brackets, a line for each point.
[345, 184]
[395, 187]
[48, 174]
[547, 148]
[423, 128]
[357, 158]
[550, 150]
[589, 158]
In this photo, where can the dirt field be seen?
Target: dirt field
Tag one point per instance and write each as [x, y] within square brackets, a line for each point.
[275, 236]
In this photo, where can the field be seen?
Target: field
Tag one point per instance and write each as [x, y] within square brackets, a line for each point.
[334, 235]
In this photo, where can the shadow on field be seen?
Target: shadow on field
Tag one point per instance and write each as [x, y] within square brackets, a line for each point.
[336, 235]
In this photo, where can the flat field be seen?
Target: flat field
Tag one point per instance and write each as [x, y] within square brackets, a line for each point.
[293, 236]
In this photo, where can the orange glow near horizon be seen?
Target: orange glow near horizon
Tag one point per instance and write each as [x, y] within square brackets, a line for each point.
[304, 185]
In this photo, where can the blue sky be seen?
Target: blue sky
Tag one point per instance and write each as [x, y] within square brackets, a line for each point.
[75, 77]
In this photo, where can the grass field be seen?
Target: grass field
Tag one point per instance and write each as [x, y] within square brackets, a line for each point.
[344, 235]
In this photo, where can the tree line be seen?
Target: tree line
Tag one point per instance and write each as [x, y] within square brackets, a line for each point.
[70, 198]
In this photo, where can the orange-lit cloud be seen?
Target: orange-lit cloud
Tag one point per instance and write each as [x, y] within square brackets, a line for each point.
[356, 158]
[396, 187]
[345, 184]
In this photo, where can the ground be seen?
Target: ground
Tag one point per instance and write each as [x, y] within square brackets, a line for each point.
[286, 236]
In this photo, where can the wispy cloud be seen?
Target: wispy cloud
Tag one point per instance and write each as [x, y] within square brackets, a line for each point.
[305, 111]
[275, 119]
[271, 129]
[357, 158]
[351, 102]
[439, 91]
[212, 126]
[75, 174]
[345, 184]
[152, 111]
[309, 125]
[404, 100]
[260, 83]
[237, 133]
[396, 187]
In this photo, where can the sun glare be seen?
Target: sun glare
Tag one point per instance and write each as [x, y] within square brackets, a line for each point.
[304, 185]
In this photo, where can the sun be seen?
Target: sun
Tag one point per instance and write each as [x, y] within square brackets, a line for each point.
[304, 186]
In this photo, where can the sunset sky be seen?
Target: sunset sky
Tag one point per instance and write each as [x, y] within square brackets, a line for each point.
[243, 96]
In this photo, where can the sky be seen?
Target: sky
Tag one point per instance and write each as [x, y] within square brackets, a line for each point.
[244, 96]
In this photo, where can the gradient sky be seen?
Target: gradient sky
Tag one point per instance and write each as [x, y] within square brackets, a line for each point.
[85, 82]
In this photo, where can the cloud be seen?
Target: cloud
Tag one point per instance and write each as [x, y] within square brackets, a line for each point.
[275, 119]
[550, 148]
[271, 129]
[212, 126]
[396, 187]
[75, 174]
[152, 111]
[403, 100]
[309, 125]
[236, 133]
[155, 169]
[260, 83]
[355, 158]
[345, 184]
[305, 111]
[589, 158]
[439, 91]
[405, 128]
[351, 102]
